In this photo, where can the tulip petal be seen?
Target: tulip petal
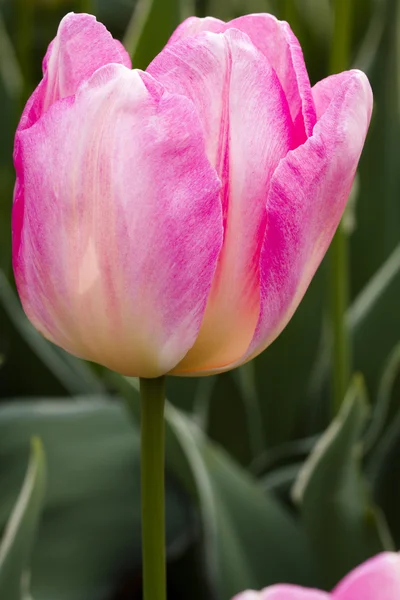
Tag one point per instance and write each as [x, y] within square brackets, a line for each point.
[325, 90]
[248, 130]
[377, 579]
[292, 592]
[307, 197]
[283, 592]
[280, 46]
[82, 46]
[122, 225]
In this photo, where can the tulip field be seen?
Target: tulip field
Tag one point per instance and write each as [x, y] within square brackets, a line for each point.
[200, 299]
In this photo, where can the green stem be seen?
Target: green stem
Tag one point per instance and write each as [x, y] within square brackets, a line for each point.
[152, 393]
[339, 260]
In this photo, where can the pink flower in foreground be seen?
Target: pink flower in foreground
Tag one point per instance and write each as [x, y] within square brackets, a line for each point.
[171, 220]
[377, 579]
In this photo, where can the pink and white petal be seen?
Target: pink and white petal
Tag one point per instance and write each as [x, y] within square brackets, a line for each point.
[308, 194]
[82, 45]
[292, 592]
[277, 42]
[248, 595]
[121, 226]
[283, 592]
[248, 130]
[376, 579]
[324, 91]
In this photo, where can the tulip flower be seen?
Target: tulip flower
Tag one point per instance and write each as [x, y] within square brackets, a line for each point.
[377, 579]
[170, 221]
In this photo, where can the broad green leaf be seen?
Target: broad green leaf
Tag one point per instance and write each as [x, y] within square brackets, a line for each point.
[344, 526]
[384, 409]
[250, 541]
[374, 320]
[89, 540]
[383, 471]
[20, 530]
[383, 441]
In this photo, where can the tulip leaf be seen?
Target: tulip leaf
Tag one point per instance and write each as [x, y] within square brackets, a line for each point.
[19, 533]
[250, 541]
[374, 320]
[89, 540]
[384, 409]
[378, 222]
[383, 471]
[344, 526]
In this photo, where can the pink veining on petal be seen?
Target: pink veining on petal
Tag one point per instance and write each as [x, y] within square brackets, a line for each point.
[248, 129]
[308, 194]
[102, 273]
[82, 46]
[280, 46]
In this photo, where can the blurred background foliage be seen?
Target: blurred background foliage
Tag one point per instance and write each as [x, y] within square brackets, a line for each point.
[262, 485]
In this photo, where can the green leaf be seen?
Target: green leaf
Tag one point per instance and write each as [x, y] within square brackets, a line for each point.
[250, 541]
[151, 25]
[383, 471]
[20, 530]
[374, 320]
[344, 526]
[89, 542]
[378, 222]
[384, 409]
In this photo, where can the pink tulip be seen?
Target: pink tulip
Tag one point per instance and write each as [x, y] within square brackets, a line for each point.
[376, 579]
[171, 220]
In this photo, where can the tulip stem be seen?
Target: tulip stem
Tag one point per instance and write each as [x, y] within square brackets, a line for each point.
[339, 266]
[152, 392]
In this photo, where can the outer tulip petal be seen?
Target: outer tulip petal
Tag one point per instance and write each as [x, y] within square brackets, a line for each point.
[325, 90]
[308, 194]
[377, 579]
[122, 224]
[292, 592]
[283, 592]
[280, 46]
[82, 46]
[248, 130]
